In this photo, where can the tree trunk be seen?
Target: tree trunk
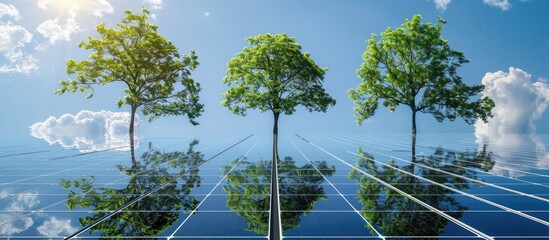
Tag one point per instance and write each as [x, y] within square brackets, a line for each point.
[413, 135]
[275, 136]
[132, 140]
[275, 232]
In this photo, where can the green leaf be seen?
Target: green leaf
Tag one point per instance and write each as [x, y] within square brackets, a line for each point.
[156, 76]
[414, 66]
[273, 74]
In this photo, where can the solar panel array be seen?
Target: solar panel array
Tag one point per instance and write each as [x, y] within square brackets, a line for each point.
[330, 186]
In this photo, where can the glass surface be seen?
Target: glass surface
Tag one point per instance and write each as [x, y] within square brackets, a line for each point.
[331, 186]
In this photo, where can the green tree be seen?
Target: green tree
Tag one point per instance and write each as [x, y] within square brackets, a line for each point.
[156, 77]
[152, 214]
[414, 66]
[273, 74]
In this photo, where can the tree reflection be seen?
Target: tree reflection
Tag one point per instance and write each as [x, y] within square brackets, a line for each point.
[152, 214]
[249, 187]
[396, 215]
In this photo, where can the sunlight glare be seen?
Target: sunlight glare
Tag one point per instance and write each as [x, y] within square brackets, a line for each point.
[72, 7]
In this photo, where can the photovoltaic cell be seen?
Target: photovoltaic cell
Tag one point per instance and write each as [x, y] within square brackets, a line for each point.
[331, 186]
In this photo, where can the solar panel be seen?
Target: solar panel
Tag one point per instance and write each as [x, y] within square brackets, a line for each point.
[330, 186]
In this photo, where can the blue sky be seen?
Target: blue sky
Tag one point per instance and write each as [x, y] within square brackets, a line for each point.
[40, 36]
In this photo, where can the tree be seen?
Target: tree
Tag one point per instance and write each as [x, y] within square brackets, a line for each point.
[145, 62]
[272, 74]
[414, 66]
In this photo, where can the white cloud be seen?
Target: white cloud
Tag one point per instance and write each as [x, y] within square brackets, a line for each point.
[206, 14]
[501, 4]
[41, 46]
[54, 31]
[43, 3]
[13, 40]
[10, 11]
[25, 65]
[54, 227]
[88, 131]
[442, 4]
[155, 4]
[96, 7]
[519, 103]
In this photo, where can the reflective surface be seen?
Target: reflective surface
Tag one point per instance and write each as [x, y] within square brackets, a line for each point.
[331, 185]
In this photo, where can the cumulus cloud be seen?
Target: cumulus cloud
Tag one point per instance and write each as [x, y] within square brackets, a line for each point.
[10, 11]
[501, 4]
[13, 40]
[55, 29]
[206, 14]
[26, 65]
[54, 227]
[519, 104]
[88, 131]
[155, 4]
[442, 4]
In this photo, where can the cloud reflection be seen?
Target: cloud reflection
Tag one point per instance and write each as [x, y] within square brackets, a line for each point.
[54, 227]
[511, 133]
[22, 202]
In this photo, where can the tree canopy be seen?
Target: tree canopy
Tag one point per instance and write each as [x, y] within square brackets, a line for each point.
[272, 73]
[414, 66]
[157, 77]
